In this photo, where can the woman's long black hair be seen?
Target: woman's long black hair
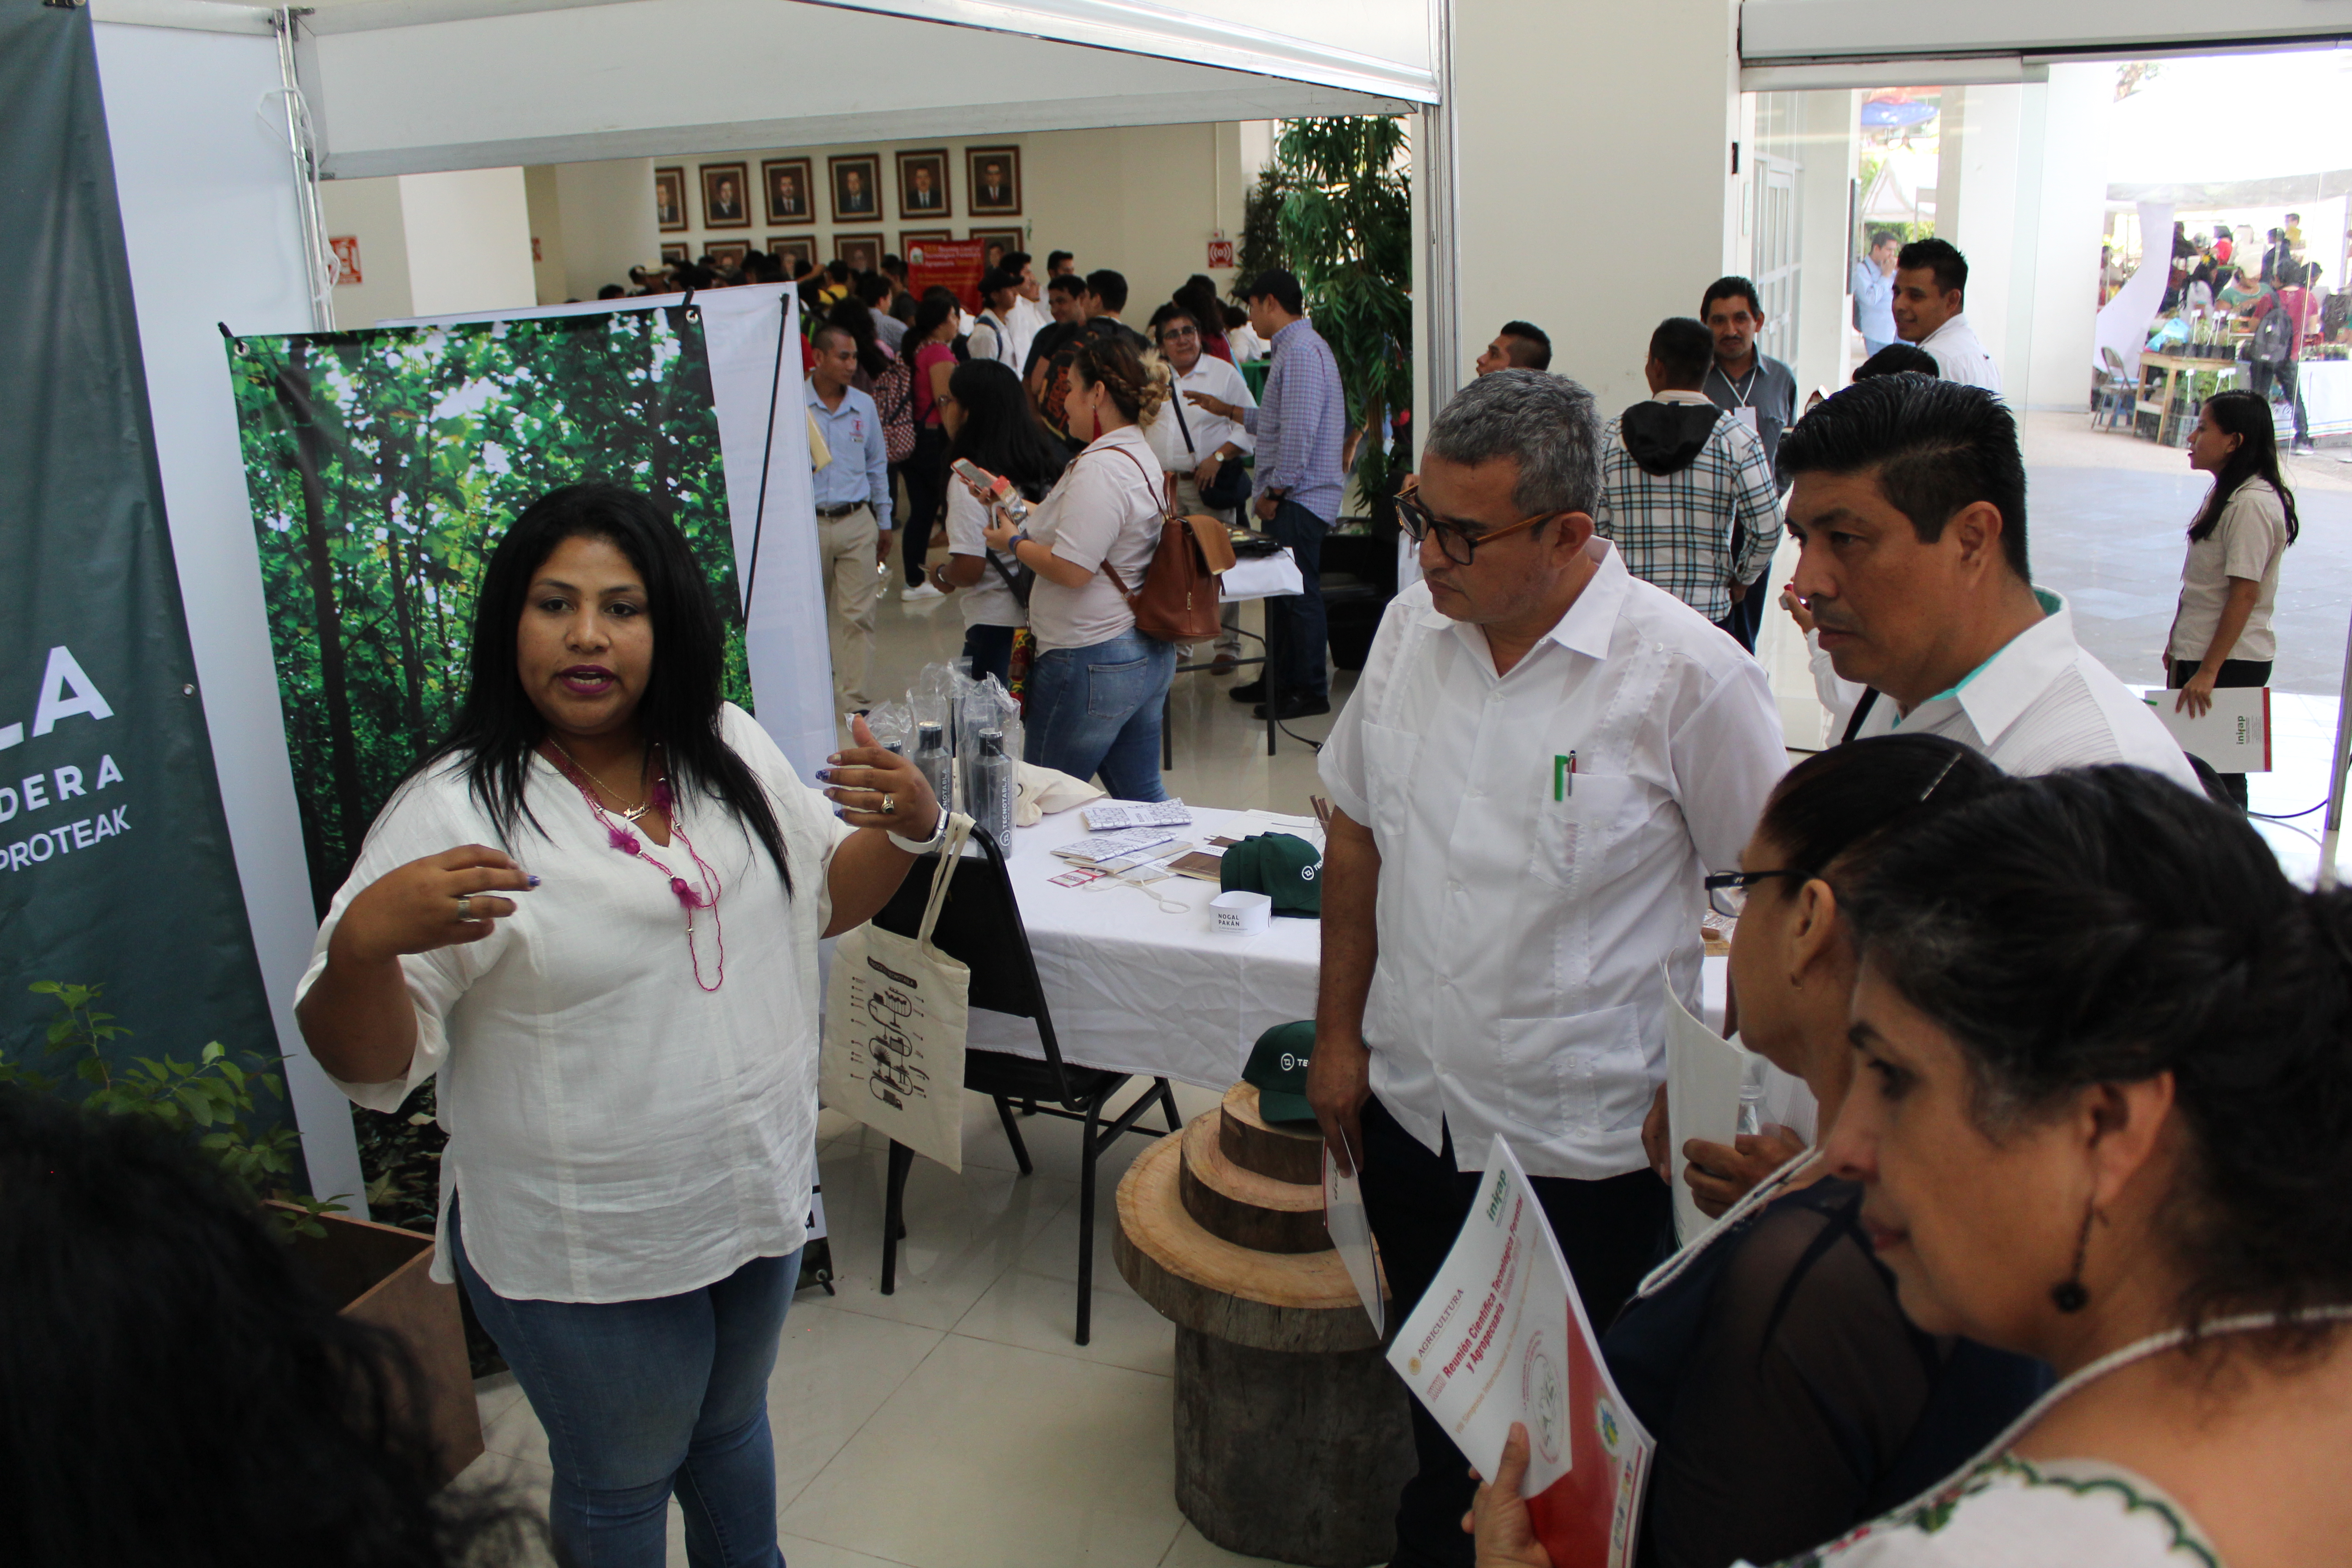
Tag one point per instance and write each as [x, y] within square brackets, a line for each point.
[1001, 432]
[499, 725]
[180, 1390]
[2247, 415]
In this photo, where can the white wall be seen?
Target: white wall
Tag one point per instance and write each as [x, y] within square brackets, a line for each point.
[1595, 151]
[369, 211]
[2073, 213]
[209, 217]
[1977, 203]
[608, 223]
[469, 241]
[1830, 124]
[549, 276]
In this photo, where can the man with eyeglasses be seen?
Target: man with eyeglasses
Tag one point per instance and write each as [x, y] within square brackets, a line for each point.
[1195, 443]
[1542, 759]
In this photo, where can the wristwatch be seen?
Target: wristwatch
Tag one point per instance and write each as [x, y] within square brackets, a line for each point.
[938, 836]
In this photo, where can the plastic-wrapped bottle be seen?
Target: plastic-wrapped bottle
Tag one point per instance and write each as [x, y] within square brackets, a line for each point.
[995, 789]
[1751, 1109]
[932, 760]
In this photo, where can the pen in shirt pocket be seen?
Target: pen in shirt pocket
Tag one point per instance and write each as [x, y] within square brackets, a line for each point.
[1563, 776]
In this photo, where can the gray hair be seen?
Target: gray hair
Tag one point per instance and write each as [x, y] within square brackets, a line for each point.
[1546, 423]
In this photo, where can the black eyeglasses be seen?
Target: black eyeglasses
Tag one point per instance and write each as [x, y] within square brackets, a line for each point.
[1458, 544]
[1726, 891]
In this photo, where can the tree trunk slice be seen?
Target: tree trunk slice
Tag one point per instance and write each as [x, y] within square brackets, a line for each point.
[1244, 1208]
[1295, 1458]
[1254, 1143]
[1300, 1302]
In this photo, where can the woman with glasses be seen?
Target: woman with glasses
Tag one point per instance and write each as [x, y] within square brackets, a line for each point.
[1200, 447]
[989, 421]
[1790, 1398]
[1095, 690]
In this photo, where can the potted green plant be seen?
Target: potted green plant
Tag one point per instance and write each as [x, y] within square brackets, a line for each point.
[378, 1274]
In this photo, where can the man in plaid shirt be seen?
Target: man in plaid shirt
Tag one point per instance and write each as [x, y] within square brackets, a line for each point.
[1678, 473]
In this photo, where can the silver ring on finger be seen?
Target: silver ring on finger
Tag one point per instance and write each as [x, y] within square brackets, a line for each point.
[465, 907]
[889, 804]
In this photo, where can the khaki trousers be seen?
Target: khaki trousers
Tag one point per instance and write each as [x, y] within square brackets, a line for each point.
[846, 546]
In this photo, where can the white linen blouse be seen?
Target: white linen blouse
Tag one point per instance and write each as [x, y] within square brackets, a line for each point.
[618, 1132]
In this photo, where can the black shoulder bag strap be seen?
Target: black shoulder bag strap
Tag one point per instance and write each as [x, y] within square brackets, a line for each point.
[1860, 712]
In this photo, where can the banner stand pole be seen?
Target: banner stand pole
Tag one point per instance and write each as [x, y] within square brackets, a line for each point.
[2338, 760]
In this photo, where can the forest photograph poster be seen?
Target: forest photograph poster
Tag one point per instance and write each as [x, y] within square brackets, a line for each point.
[384, 465]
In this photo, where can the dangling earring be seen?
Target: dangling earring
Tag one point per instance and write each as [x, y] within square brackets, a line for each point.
[2069, 1295]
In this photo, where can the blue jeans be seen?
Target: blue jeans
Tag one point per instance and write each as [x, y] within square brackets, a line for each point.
[1097, 709]
[1296, 644]
[642, 1398]
[989, 650]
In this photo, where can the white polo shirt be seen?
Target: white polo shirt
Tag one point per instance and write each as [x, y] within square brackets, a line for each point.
[1959, 356]
[2041, 703]
[1170, 427]
[1523, 914]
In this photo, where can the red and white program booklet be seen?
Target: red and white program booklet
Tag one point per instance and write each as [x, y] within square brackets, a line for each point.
[1501, 1336]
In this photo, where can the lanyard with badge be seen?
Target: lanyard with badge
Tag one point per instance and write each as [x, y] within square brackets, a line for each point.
[1745, 412]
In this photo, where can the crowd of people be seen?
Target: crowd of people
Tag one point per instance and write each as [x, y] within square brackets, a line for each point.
[2057, 1276]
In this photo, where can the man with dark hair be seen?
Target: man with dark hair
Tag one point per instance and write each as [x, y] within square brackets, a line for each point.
[992, 335]
[874, 291]
[1495, 923]
[1051, 351]
[1756, 389]
[1029, 316]
[1874, 292]
[1301, 430]
[1520, 345]
[1105, 298]
[1910, 509]
[1059, 262]
[1931, 281]
[851, 487]
[1687, 490]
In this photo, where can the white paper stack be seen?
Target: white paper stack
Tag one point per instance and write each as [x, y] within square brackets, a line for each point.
[1113, 816]
[1704, 1073]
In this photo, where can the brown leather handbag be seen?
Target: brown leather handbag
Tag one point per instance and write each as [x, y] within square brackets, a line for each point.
[1177, 601]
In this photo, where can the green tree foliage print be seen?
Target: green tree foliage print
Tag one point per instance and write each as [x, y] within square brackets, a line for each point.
[384, 465]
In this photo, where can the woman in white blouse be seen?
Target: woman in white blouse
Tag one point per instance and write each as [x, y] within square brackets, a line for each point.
[631, 1118]
[2102, 1115]
[2222, 631]
[1096, 689]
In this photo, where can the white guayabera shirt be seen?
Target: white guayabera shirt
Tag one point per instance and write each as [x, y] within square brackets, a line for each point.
[617, 1133]
[1524, 911]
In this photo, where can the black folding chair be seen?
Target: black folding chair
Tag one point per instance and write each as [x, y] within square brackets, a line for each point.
[979, 925]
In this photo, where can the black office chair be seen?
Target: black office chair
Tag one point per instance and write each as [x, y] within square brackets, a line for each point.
[979, 925]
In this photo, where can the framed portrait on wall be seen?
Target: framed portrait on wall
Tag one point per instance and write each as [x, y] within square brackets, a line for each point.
[669, 200]
[992, 181]
[726, 196]
[912, 240]
[856, 180]
[790, 248]
[1002, 241]
[923, 185]
[791, 191]
[861, 251]
[729, 251]
[673, 253]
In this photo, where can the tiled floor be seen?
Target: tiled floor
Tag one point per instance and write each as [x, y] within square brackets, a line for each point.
[954, 1424]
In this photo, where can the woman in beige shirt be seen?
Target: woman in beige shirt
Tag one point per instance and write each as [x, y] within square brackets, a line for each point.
[2221, 632]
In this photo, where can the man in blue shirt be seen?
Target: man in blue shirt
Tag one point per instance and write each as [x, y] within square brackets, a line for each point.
[1873, 294]
[852, 486]
[1301, 425]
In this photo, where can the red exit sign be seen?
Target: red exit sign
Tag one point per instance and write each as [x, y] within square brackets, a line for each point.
[1221, 253]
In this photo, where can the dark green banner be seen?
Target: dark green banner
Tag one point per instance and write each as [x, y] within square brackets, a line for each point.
[115, 865]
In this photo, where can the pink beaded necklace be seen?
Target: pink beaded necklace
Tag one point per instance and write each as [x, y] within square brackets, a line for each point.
[658, 798]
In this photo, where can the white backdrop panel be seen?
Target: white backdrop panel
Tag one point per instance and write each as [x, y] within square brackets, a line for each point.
[209, 215]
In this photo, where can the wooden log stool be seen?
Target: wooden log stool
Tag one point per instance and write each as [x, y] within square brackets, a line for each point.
[1293, 1436]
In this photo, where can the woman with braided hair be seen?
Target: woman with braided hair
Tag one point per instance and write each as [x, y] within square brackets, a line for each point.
[1097, 686]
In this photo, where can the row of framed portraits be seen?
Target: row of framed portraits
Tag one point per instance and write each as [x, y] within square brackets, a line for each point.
[787, 189]
[861, 251]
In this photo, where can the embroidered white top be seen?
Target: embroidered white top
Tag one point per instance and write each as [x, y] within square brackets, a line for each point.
[618, 1132]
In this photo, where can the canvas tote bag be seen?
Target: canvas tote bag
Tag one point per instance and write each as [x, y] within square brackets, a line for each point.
[894, 1027]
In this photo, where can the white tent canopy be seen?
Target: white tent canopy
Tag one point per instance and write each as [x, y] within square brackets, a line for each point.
[417, 86]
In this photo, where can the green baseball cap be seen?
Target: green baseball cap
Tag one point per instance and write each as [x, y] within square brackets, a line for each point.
[1278, 1066]
[1280, 865]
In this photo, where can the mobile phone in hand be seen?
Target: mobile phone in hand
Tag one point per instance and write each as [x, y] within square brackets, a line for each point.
[992, 488]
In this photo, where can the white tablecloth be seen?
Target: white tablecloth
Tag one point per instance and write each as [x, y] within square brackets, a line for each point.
[1137, 989]
[1261, 577]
